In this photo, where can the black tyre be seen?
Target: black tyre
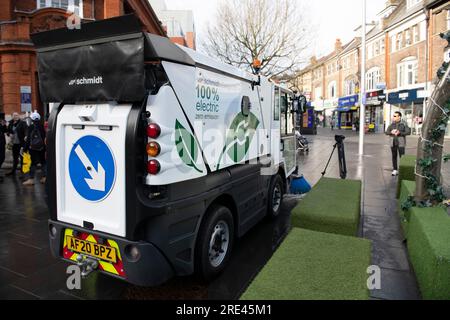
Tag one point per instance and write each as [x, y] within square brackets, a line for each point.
[276, 192]
[214, 243]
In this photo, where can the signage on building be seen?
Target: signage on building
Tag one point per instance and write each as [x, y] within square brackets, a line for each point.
[25, 98]
[406, 96]
[375, 98]
[348, 101]
[381, 86]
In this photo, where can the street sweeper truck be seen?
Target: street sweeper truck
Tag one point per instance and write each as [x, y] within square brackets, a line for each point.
[159, 158]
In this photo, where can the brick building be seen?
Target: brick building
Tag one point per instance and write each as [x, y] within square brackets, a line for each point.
[19, 87]
[403, 53]
[179, 24]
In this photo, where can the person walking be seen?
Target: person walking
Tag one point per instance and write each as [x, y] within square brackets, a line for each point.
[333, 123]
[3, 130]
[17, 128]
[398, 131]
[35, 145]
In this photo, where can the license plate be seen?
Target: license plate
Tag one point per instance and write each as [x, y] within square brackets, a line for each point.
[92, 249]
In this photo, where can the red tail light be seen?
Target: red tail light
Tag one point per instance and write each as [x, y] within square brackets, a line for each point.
[153, 130]
[153, 167]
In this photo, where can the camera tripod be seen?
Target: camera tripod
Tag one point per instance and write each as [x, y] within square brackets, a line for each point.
[341, 157]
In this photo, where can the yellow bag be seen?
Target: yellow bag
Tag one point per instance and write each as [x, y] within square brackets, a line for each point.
[26, 162]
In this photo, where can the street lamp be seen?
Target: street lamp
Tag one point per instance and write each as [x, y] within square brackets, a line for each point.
[362, 109]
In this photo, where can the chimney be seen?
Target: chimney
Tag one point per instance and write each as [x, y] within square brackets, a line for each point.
[338, 45]
[313, 60]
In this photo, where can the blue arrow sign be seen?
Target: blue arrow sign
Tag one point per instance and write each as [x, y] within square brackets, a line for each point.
[92, 168]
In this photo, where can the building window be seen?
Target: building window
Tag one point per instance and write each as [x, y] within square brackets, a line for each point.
[349, 87]
[407, 72]
[372, 78]
[412, 3]
[382, 46]
[408, 40]
[332, 90]
[75, 6]
[448, 19]
[399, 41]
[416, 33]
[318, 93]
[447, 56]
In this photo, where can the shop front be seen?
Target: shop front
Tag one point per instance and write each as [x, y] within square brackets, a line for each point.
[347, 112]
[410, 104]
[374, 111]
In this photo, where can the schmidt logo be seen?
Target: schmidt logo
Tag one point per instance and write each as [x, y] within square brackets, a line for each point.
[86, 81]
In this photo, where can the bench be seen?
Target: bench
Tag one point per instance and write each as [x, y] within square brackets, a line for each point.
[332, 206]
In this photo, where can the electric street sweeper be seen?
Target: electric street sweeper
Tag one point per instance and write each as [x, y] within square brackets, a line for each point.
[159, 158]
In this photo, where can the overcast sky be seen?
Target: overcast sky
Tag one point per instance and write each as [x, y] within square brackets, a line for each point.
[334, 18]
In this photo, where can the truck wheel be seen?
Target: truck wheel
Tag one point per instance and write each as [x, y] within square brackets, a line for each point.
[275, 196]
[214, 243]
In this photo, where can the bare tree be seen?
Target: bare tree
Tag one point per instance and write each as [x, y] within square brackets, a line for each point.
[274, 31]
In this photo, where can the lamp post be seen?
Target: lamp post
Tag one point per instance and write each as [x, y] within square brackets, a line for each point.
[362, 109]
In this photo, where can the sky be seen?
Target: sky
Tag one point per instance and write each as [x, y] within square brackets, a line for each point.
[333, 18]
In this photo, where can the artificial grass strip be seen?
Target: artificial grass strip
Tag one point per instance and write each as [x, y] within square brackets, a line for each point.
[332, 206]
[429, 251]
[406, 171]
[313, 265]
[408, 188]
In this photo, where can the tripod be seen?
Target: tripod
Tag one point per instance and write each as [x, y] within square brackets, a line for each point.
[341, 157]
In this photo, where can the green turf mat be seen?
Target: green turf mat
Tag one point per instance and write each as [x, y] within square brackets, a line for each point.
[408, 188]
[406, 172]
[332, 206]
[312, 265]
[429, 251]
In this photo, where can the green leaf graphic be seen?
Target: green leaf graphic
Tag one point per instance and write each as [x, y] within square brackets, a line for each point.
[239, 137]
[186, 146]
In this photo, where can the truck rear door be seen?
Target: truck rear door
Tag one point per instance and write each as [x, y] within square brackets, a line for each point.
[90, 166]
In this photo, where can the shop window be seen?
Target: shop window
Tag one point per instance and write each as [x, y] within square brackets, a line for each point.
[372, 78]
[407, 72]
[75, 6]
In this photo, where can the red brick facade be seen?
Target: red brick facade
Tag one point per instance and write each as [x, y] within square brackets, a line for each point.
[20, 18]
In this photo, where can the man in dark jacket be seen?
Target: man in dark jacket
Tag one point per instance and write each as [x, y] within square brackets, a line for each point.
[3, 130]
[16, 131]
[35, 145]
[398, 131]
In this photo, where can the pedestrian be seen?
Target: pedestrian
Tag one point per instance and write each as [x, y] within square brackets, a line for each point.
[398, 131]
[3, 130]
[333, 123]
[35, 145]
[16, 130]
